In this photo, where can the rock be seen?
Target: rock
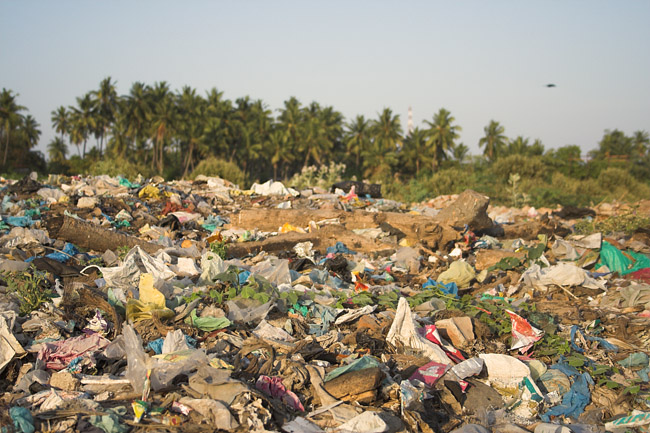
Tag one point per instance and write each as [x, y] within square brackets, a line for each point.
[487, 258]
[87, 202]
[457, 329]
[470, 208]
[65, 381]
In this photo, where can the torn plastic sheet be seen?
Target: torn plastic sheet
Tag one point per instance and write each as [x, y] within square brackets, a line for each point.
[366, 422]
[352, 314]
[248, 310]
[604, 343]
[469, 367]
[58, 355]
[10, 348]
[213, 410]
[23, 237]
[574, 401]
[274, 270]
[362, 363]
[592, 241]
[273, 188]
[524, 335]
[403, 333]
[564, 250]
[151, 302]
[448, 289]
[265, 330]
[459, 272]
[563, 274]
[618, 261]
[504, 370]
[136, 262]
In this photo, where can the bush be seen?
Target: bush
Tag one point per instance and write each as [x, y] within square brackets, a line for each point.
[118, 166]
[323, 177]
[213, 166]
[528, 167]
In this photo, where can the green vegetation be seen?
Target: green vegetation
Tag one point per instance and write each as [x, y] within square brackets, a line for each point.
[627, 223]
[220, 248]
[153, 130]
[30, 287]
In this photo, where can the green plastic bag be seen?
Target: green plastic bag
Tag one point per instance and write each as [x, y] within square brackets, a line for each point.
[616, 261]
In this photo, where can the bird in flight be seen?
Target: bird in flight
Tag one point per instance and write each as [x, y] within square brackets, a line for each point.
[550, 85]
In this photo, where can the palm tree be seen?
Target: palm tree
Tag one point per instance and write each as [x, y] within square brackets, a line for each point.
[163, 122]
[459, 152]
[10, 117]
[537, 148]
[191, 114]
[105, 100]
[414, 149]
[441, 135]
[83, 121]
[29, 131]
[494, 140]
[641, 142]
[136, 115]
[61, 121]
[278, 149]
[357, 138]
[57, 150]
[290, 119]
[380, 158]
[518, 146]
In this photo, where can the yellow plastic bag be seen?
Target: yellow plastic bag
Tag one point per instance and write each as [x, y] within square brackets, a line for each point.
[151, 302]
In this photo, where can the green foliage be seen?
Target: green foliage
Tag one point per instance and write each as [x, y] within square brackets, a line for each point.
[122, 251]
[30, 287]
[627, 223]
[118, 166]
[323, 176]
[213, 166]
[528, 167]
[219, 248]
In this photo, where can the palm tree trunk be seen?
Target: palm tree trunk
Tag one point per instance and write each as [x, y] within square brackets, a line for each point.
[84, 157]
[4, 159]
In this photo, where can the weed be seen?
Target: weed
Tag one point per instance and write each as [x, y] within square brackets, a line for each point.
[122, 252]
[29, 287]
[627, 223]
[219, 248]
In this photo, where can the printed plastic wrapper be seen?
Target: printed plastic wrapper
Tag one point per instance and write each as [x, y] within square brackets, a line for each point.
[430, 373]
[524, 335]
[636, 419]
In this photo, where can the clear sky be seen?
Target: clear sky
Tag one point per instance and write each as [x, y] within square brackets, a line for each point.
[480, 59]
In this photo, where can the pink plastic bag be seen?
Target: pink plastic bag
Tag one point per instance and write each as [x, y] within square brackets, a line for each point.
[273, 387]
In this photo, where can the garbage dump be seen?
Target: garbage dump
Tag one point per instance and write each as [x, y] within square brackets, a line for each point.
[145, 305]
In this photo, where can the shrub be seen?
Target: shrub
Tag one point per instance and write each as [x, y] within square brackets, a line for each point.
[213, 166]
[528, 167]
[118, 166]
[324, 176]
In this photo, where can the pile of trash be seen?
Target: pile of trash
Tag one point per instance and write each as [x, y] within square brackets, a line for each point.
[197, 305]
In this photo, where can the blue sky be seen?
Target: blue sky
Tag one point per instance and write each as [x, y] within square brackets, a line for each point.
[481, 60]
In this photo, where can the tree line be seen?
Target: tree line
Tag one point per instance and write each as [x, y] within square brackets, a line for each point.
[170, 132]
